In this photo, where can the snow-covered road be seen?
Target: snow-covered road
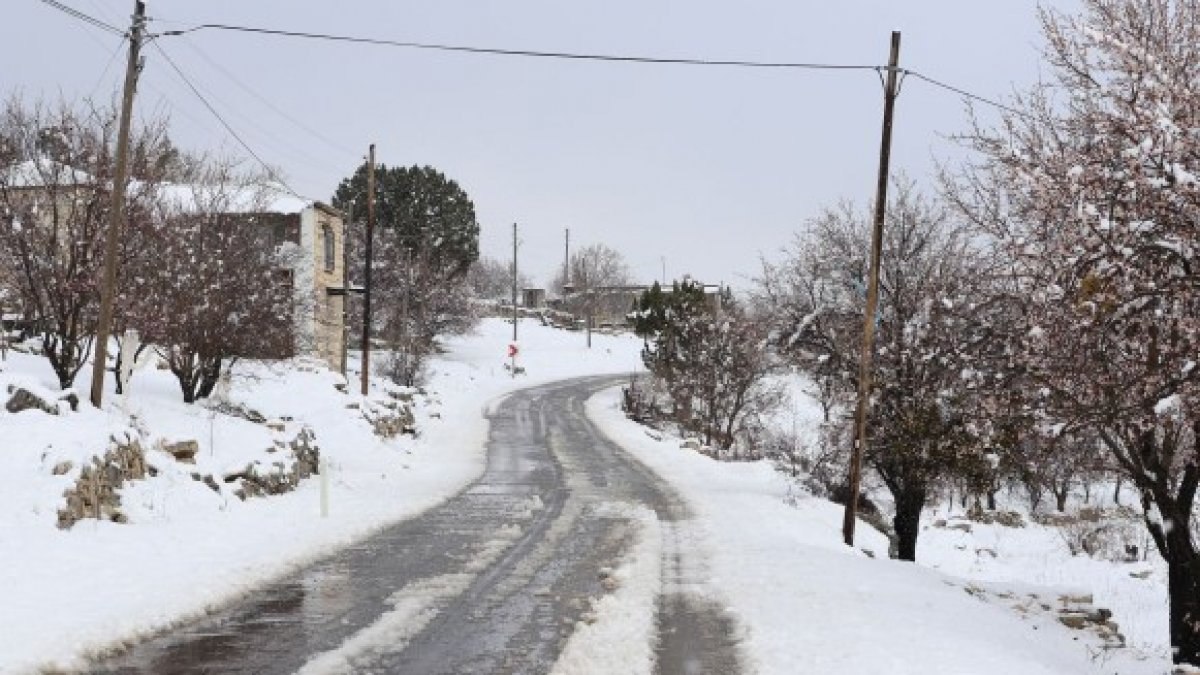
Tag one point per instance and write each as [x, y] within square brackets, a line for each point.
[565, 556]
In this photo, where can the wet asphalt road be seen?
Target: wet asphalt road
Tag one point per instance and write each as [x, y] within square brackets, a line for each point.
[492, 581]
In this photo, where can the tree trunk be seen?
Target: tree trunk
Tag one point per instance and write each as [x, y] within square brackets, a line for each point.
[210, 374]
[1060, 498]
[1117, 493]
[909, 503]
[991, 499]
[1183, 588]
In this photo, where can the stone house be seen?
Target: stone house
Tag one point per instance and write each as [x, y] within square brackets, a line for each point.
[308, 237]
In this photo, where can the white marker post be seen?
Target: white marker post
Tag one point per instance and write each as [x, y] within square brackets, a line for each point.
[323, 468]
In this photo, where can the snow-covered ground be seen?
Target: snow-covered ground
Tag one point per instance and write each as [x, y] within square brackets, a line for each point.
[804, 602]
[188, 548]
[808, 604]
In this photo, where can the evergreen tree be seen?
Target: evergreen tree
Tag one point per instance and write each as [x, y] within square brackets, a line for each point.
[421, 211]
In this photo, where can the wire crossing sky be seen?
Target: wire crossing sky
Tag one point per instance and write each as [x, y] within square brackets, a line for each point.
[710, 165]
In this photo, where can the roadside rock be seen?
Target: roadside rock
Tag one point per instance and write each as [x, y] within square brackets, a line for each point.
[259, 480]
[94, 494]
[21, 399]
[389, 418]
[182, 451]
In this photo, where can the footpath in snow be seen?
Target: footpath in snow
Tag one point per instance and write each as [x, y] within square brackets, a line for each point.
[188, 547]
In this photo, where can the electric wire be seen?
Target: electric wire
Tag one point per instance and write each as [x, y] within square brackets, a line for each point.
[271, 172]
[86, 18]
[107, 66]
[494, 51]
[964, 93]
[269, 137]
[577, 56]
[268, 103]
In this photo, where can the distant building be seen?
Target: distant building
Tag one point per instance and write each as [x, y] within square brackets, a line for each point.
[533, 298]
[613, 304]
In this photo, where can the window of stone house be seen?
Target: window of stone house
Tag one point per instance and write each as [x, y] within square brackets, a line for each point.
[330, 253]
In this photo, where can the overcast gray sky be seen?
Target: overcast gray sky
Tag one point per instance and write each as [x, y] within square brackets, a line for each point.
[709, 168]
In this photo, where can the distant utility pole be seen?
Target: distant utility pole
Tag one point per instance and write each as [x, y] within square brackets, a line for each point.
[347, 223]
[868, 342]
[108, 284]
[566, 261]
[366, 330]
[514, 283]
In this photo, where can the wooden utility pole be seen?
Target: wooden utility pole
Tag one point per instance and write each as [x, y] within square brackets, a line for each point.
[514, 283]
[566, 261]
[347, 220]
[108, 283]
[366, 328]
[865, 357]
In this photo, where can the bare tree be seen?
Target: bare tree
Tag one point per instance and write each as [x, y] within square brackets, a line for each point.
[422, 307]
[920, 419]
[209, 286]
[491, 279]
[595, 270]
[56, 175]
[1090, 189]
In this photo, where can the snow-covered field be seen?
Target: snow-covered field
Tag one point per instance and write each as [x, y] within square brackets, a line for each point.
[808, 604]
[188, 548]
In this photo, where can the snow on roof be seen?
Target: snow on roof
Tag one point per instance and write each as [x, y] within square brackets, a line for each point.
[271, 199]
[42, 173]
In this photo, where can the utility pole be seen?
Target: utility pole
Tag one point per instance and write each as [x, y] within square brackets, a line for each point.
[514, 284]
[366, 329]
[347, 220]
[108, 284]
[566, 261]
[868, 342]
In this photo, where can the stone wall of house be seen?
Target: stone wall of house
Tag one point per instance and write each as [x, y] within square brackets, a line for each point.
[326, 246]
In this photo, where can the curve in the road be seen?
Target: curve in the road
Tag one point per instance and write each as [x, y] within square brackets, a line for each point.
[492, 581]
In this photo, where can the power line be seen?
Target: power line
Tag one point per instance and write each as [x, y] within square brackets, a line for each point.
[245, 146]
[575, 56]
[86, 18]
[104, 74]
[268, 103]
[964, 93]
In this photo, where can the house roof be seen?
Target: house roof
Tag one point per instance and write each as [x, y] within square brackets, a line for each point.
[269, 199]
[43, 172]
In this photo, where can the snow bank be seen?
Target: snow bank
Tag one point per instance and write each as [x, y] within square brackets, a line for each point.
[809, 604]
[620, 636]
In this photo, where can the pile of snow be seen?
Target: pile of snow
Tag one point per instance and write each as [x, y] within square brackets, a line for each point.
[810, 604]
[187, 548]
